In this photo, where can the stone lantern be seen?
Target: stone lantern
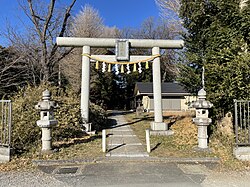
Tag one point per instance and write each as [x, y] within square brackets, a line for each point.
[139, 108]
[47, 120]
[202, 120]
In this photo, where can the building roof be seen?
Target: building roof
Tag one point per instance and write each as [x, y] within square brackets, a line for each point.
[167, 89]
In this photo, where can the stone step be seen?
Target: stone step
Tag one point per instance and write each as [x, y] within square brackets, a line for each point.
[123, 135]
[131, 155]
[127, 144]
[122, 142]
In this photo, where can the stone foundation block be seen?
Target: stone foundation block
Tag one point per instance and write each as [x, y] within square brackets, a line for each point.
[242, 153]
[159, 126]
[5, 154]
[161, 133]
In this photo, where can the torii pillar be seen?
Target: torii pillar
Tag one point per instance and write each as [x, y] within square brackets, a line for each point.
[85, 84]
[158, 126]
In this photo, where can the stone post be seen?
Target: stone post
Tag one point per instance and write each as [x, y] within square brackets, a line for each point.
[47, 120]
[104, 146]
[148, 140]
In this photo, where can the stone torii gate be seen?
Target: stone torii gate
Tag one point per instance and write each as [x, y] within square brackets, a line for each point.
[158, 126]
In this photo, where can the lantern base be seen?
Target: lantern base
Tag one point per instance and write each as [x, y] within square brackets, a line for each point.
[198, 149]
[47, 152]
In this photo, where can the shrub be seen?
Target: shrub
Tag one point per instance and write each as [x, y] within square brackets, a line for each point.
[27, 135]
[98, 117]
[185, 132]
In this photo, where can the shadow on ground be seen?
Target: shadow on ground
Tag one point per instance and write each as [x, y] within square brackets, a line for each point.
[77, 141]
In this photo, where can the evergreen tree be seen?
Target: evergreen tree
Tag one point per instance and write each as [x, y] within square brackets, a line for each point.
[217, 38]
[151, 28]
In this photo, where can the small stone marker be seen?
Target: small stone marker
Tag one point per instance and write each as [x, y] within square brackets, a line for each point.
[139, 109]
[148, 140]
[104, 141]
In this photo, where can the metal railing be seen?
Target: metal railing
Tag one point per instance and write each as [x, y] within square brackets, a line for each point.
[5, 122]
[242, 122]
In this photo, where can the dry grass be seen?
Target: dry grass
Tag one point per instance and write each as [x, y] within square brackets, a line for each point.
[77, 148]
[181, 144]
[184, 141]
[190, 113]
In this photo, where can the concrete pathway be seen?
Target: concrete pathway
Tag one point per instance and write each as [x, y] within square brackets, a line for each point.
[122, 142]
[125, 174]
[131, 174]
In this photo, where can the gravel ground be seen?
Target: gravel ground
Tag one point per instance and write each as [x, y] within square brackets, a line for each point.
[40, 179]
[28, 179]
[227, 179]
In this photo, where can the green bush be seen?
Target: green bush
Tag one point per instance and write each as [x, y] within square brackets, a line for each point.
[27, 135]
[98, 117]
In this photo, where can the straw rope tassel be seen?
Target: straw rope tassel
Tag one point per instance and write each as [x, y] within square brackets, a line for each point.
[116, 69]
[128, 69]
[139, 67]
[109, 68]
[122, 68]
[103, 67]
[97, 65]
[134, 70]
[147, 67]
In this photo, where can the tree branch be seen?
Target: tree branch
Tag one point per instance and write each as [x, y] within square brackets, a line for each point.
[65, 54]
[49, 16]
[34, 18]
[64, 24]
[66, 16]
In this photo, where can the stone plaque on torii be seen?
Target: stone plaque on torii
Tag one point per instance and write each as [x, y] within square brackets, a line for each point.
[122, 54]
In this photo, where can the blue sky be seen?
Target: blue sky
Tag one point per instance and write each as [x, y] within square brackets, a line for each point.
[119, 13]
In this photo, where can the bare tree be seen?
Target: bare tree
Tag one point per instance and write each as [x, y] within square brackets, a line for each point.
[87, 23]
[38, 45]
[169, 7]
[170, 12]
[26, 48]
[13, 71]
[158, 29]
